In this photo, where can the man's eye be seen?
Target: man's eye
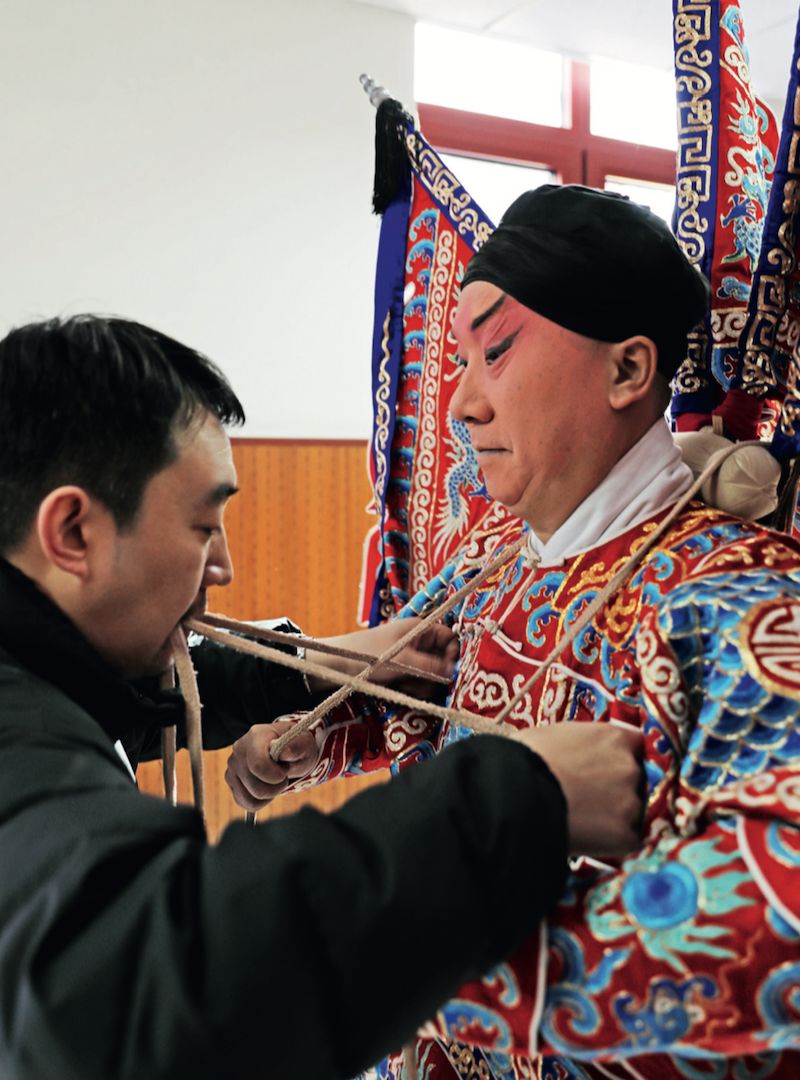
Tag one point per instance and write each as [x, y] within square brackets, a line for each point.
[208, 530]
[459, 361]
[497, 351]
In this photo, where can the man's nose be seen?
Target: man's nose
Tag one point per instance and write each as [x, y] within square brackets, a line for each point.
[219, 566]
[468, 402]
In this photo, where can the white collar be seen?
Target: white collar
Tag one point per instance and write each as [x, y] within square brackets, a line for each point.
[650, 477]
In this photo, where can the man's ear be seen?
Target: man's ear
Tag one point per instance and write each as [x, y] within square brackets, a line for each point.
[634, 368]
[64, 528]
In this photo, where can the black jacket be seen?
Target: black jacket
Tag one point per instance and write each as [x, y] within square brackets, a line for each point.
[130, 948]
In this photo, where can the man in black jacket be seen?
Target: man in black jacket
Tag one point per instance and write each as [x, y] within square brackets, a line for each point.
[129, 948]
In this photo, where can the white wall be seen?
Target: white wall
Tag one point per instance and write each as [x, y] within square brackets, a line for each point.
[204, 166]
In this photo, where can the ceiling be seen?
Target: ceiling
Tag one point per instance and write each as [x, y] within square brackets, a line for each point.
[633, 30]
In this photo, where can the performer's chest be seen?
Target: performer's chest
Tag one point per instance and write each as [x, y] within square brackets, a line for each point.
[507, 634]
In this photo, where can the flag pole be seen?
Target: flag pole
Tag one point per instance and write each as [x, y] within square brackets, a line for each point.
[374, 91]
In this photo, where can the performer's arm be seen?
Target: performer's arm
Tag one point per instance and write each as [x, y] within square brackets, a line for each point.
[358, 736]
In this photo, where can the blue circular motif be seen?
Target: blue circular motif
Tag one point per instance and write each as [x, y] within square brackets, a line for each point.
[661, 898]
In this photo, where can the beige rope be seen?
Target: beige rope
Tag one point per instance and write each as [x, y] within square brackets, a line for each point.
[622, 575]
[168, 747]
[498, 725]
[280, 637]
[194, 736]
[347, 683]
[438, 613]
[168, 754]
[350, 683]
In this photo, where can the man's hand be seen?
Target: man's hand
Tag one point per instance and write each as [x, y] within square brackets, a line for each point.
[435, 651]
[253, 777]
[599, 769]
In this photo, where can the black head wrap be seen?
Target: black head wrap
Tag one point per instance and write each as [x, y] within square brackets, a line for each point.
[598, 264]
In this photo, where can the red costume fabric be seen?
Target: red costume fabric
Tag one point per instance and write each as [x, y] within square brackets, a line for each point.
[683, 961]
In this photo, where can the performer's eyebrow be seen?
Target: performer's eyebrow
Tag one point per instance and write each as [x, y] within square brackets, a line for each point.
[481, 319]
[220, 494]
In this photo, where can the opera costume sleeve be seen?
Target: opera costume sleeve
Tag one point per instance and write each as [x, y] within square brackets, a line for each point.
[363, 735]
[689, 950]
[131, 949]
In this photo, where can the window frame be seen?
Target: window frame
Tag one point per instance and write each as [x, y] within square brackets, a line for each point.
[572, 152]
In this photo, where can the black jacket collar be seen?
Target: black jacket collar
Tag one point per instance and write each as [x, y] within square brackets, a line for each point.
[39, 635]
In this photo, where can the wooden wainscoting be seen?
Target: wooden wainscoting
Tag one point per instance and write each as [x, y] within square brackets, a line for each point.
[296, 531]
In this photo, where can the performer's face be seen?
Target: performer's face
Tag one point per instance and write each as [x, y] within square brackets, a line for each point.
[150, 575]
[531, 394]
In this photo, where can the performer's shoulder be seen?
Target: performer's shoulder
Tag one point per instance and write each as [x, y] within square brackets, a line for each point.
[708, 540]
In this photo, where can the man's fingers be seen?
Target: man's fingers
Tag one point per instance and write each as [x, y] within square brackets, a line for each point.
[437, 666]
[247, 799]
[259, 763]
[252, 752]
[252, 775]
[598, 768]
[300, 756]
[435, 651]
[299, 749]
[440, 638]
[256, 787]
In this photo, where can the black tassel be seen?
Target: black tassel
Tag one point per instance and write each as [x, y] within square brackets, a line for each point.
[392, 167]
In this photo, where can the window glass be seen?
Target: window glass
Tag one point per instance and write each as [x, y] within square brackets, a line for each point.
[633, 103]
[493, 184]
[487, 75]
[659, 197]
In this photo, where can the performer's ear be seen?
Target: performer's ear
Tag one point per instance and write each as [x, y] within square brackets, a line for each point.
[64, 529]
[634, 366]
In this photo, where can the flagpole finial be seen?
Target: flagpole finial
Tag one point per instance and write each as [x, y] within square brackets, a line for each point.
[373, 90]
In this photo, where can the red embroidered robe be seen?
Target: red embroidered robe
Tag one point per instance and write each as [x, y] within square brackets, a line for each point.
[683, 961]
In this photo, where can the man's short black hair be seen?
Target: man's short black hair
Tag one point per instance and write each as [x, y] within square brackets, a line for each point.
[95, 402]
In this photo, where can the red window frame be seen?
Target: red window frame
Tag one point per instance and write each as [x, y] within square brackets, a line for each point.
[572, 152]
